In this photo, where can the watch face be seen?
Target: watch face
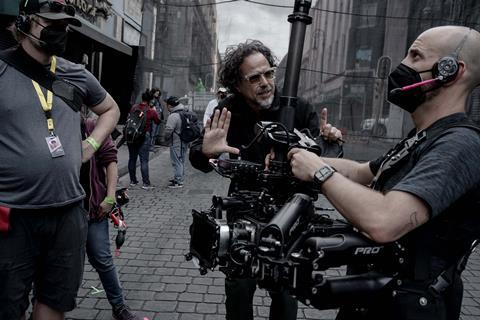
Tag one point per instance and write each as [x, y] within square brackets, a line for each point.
[323, 174]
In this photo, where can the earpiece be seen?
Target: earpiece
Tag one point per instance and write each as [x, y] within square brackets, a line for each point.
[446, 69]
[23, 23]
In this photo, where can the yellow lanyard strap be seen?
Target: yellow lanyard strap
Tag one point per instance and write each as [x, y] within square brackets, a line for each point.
[47, 104]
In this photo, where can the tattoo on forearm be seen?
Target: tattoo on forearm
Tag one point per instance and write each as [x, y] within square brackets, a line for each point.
[414, 219]
[413, 222]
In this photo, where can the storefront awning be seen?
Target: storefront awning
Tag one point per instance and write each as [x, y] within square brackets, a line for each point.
[91, 31]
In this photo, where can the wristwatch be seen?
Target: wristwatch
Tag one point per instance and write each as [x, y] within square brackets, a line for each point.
[322, 175]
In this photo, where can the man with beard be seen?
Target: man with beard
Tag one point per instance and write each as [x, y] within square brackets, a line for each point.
[43, 241]
[424, 192]
[248, 73]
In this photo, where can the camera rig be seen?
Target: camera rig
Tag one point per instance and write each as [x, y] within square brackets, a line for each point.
[268, 228]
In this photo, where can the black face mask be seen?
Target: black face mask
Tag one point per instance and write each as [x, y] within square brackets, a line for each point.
[53, 39]
[403, 76]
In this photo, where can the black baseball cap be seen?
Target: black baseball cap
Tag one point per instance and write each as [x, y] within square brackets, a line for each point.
[172, 101]
[51, 10]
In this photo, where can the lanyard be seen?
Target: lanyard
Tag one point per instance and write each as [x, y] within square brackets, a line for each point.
[47, 104]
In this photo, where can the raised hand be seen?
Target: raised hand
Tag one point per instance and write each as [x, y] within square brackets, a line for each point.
[215, 136]
[327, 131]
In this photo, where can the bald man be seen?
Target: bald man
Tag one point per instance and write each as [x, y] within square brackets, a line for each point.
[424, 193]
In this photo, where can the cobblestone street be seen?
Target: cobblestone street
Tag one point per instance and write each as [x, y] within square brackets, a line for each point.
[159, 284]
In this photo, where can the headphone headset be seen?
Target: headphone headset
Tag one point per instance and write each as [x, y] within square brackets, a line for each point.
[23, 23]
[446, 69]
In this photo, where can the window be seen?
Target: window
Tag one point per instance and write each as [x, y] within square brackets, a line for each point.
[368, 11]
[363, 57]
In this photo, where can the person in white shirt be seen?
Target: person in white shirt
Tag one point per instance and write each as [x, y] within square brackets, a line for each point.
[221, 94]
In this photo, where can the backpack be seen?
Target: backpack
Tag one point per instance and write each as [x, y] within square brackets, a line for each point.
[190, 129]
[134, 129]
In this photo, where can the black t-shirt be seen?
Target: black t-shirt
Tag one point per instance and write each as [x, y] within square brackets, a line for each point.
[444, 174]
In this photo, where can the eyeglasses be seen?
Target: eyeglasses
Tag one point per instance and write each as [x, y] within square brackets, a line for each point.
[255, 78]
[55, 6]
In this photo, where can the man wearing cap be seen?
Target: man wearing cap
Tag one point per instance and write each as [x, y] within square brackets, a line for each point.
[178, 148]
[221, 94]
[44, 240]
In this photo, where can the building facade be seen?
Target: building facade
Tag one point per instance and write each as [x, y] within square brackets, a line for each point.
[343, 65]
[179, 46]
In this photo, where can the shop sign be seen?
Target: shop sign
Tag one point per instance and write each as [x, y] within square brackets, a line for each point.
[92, 8]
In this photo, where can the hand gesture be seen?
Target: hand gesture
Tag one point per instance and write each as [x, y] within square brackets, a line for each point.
[215, 136]
[327, 131]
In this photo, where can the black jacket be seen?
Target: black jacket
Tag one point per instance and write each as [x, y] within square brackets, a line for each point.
[241, 131]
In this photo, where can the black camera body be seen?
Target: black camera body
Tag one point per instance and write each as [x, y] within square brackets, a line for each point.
[274, 233]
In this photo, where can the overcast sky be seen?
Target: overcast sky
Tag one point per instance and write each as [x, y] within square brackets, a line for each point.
[241, 20]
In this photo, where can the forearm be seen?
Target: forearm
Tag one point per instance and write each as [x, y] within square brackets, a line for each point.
[382, 217]
[105, 124]
[354, 171]
[108, 115]
[197, 158]
[112, 178]
[358, 204]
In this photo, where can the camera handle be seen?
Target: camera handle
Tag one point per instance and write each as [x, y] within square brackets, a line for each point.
[335, 292]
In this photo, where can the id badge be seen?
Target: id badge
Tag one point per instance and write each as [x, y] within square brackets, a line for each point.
[55, 146]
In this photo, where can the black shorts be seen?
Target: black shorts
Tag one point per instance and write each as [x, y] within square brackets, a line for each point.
[45, 247]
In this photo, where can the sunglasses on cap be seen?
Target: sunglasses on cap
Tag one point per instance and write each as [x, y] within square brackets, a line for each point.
[255, 78]
[57, 7]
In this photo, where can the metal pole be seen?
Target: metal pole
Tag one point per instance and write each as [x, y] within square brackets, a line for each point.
[299, 19]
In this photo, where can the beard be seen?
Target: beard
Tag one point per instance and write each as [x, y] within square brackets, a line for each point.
[265, 104]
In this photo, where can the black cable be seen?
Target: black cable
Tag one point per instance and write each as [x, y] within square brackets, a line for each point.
[302, 69]
[338, 74]
[196, 5]
[323, 10]
[270, 5]
[365, 15]
[189, 66]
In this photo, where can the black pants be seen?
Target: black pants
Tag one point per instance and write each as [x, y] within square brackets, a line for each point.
[405, 305]
[239, 302]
